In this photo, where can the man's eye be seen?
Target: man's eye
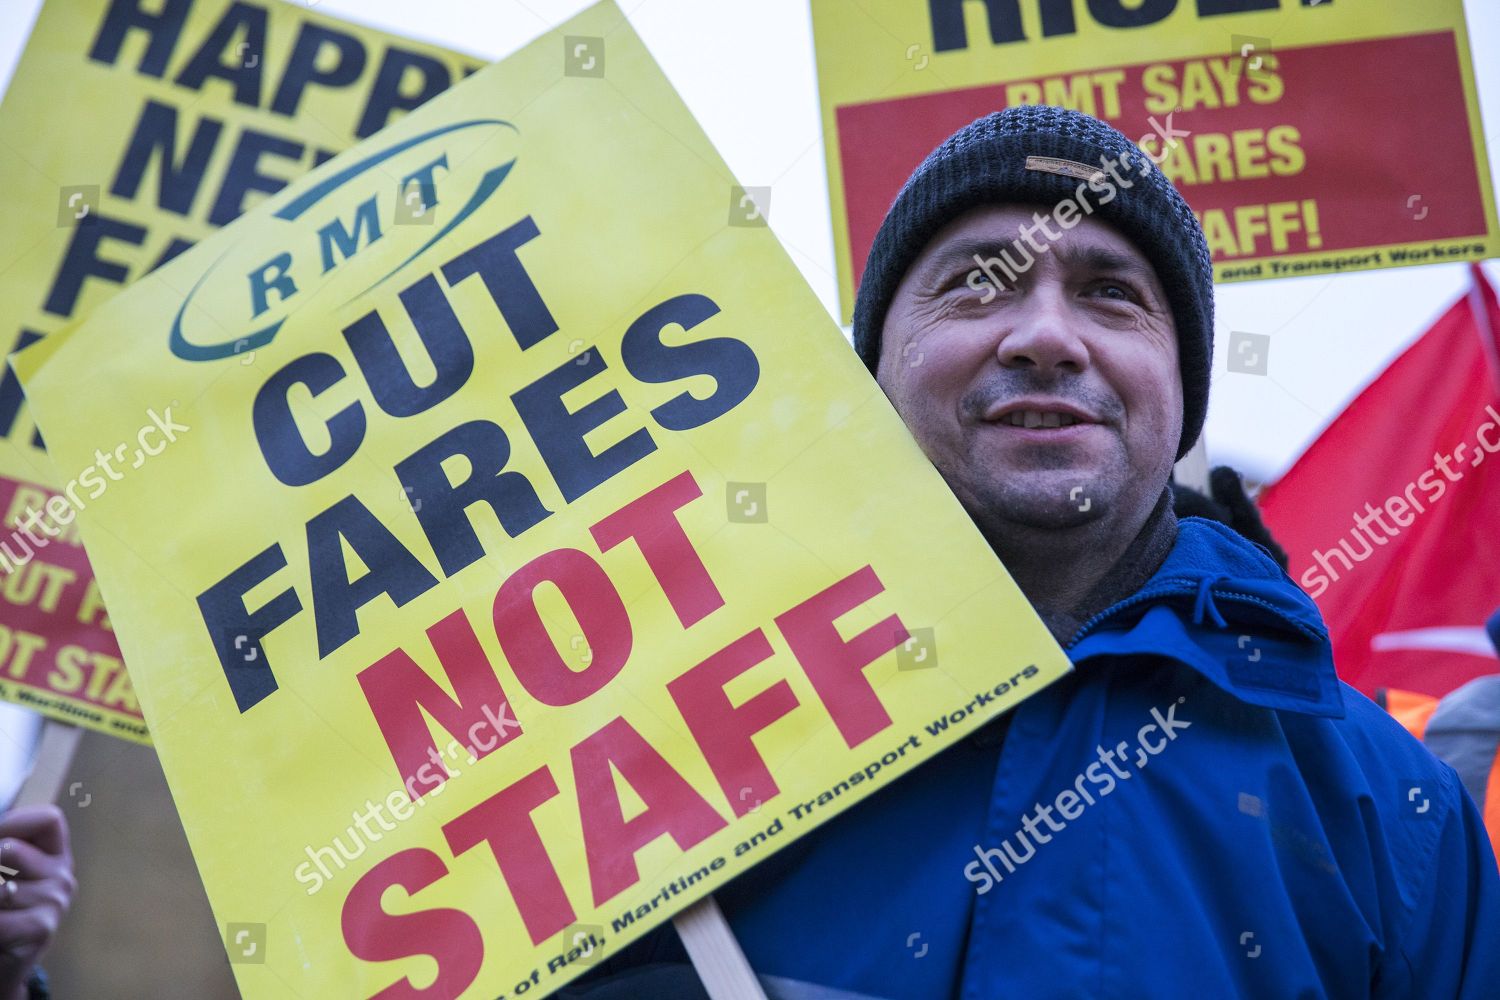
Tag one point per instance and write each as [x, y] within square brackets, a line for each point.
[1116, 290]
[977, 280]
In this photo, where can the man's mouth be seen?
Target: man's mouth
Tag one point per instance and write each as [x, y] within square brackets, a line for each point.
[1038, 418]
[1039, 415]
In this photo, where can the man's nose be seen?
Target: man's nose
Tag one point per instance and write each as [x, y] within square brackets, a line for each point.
[1037, 335]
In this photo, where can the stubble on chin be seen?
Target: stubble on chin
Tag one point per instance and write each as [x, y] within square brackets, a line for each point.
[1001, 508]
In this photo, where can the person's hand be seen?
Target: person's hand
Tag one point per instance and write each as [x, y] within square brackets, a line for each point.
[36, 889]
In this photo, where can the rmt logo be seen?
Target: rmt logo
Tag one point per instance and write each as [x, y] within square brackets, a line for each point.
[323, 227]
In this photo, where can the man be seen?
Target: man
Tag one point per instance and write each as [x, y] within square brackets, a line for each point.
[1201, 808]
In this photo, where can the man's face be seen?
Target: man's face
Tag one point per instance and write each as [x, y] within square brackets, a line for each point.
[1058, 400]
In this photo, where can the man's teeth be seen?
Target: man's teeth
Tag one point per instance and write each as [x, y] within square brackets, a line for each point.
[1035, 418]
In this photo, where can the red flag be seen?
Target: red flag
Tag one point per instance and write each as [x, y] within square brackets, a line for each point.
[1391, 519]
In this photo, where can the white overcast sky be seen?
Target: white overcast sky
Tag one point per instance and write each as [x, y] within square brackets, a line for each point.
[746, 70]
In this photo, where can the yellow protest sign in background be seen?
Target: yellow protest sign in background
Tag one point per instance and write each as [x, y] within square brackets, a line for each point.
[131, 130]
[1264, 116]
[517, 574]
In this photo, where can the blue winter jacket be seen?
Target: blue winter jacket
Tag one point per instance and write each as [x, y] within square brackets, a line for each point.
[1237, 823]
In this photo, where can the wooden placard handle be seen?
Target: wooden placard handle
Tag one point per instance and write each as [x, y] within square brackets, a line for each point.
[49, 769]
[717, 956]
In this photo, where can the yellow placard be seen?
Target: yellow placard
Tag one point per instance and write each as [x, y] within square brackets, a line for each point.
[1263, 110]
[517, 576]
[131, 130]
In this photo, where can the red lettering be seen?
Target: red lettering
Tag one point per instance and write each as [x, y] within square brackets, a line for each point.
[835, 667]
[594, 602]
[504, 822]
[651, 520]
[672, 807]
[397, 690]
[450, 937]
[724, 732]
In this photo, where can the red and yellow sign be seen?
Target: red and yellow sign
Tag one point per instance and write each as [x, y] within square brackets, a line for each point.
[131, 130]
[57, 652]
[1307, 139]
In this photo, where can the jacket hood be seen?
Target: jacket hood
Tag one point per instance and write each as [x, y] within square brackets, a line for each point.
[1221, 606]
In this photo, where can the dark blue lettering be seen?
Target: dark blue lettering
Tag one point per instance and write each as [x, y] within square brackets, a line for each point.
[11, 396]
[178, 180]
[1115, 14]
[302, 65]
[396, 392]
[287, 454]
[336, 599]
[82, 261]
[176, 247]
[249, 55]
[558, 432]
[162, 29]
[515, 294]
[442, 507]
[386, 92]
[1208, 8]
[244, 176]
[948, 31]
[730, 362]
[237, 633]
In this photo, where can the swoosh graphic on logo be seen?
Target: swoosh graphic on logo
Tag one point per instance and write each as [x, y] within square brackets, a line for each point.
[310, 198]
[487, 185]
